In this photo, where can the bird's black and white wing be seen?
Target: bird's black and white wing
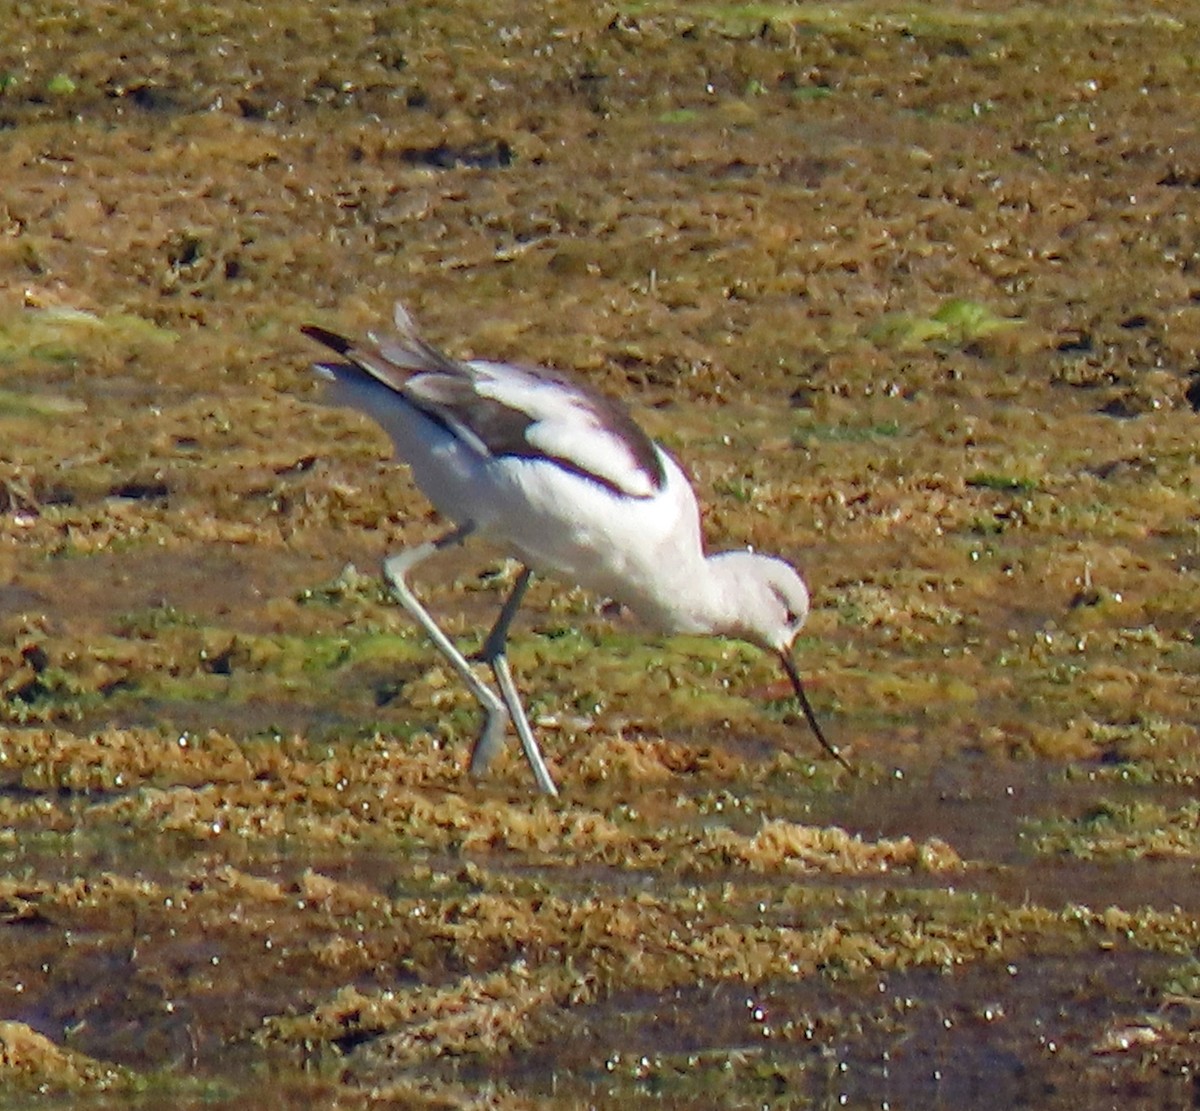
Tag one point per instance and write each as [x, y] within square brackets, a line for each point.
[505, 410]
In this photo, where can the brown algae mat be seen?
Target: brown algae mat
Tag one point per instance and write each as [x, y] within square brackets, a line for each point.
[914, 292]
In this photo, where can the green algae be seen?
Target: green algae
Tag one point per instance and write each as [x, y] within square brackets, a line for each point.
[1128, 831]
[958, 322]
[61, 334]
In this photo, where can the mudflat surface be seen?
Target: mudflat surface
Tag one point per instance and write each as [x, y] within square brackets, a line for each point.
[913, 292]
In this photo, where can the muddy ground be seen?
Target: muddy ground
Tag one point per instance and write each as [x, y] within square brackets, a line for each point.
[914, 292]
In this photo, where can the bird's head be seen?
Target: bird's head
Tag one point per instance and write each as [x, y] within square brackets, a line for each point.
[771, 608]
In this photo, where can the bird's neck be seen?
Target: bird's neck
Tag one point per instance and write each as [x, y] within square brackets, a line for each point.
[703, 603]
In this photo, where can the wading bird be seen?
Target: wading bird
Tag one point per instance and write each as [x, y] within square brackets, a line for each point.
[559, 476]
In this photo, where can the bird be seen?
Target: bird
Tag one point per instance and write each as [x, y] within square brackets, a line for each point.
[558, 475]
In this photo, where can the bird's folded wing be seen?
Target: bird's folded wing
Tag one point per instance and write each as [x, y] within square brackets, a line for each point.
[518, 411]
[505, 410]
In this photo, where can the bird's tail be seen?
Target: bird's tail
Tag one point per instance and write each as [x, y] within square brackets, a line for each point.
[408, 348]
[389, 359]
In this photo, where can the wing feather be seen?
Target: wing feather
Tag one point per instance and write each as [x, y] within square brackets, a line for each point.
[507, 410]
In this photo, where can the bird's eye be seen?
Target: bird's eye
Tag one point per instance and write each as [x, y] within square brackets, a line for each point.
[790, 617]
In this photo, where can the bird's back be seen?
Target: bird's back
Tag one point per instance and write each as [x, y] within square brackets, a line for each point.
[556, 472]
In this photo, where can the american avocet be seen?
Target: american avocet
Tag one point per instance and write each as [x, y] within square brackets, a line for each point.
[562, 478]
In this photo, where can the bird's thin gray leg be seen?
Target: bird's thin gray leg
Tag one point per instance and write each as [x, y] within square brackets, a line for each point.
[395, 571]
[493, 654]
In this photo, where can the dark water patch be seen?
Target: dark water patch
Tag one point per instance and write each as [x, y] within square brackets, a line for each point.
[16, 598]
[985, 809]
[487, 154]
[240, 717]
[1031, 1033]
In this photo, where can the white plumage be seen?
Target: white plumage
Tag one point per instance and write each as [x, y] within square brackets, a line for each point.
[560, 476]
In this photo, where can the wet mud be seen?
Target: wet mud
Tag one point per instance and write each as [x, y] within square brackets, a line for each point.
[914, 293]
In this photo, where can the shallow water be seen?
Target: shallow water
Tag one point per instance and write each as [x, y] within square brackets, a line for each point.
[913, 295]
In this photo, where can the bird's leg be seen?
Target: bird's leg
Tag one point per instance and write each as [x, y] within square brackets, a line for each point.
[493, 654]
[395, 571]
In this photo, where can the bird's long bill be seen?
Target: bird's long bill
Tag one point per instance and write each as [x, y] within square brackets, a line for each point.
[790, 667]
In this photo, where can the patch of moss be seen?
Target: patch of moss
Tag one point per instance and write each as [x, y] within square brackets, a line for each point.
[62, 334]
[958, 322]
[1123, 831]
